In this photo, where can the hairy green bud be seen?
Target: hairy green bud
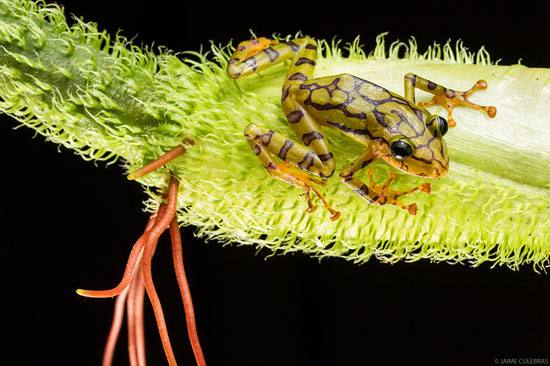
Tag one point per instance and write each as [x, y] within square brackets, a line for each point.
[105, 98]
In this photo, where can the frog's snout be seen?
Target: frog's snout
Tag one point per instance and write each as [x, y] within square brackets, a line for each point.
[440, 170]
[436, 169]
[440, 162]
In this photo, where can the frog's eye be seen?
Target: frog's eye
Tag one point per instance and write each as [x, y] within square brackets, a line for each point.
[401, 148]
[443, 125]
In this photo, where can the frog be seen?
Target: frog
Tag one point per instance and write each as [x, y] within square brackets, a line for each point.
[393, 128]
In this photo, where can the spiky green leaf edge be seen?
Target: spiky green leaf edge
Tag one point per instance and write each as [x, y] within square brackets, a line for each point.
[105, 98]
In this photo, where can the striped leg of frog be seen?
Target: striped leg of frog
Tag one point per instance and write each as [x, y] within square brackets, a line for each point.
[265, 143]
[374, 194]
[313, 155]
[447, 98]
[259, 54]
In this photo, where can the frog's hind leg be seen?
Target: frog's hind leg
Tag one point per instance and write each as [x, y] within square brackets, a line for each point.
[259, 54]
[248, 57]
[372, 193]
[265, 143]
[445, 97]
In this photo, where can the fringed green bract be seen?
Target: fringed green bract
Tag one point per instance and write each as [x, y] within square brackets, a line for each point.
[106, 98]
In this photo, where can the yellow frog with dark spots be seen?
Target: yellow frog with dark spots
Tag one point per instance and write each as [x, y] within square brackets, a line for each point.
[392, 127]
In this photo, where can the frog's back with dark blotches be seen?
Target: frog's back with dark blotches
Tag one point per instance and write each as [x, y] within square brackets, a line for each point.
[371, 111]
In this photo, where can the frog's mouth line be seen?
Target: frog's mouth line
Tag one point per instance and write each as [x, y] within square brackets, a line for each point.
[436, 167]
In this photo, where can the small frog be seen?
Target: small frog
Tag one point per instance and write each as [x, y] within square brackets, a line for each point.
[393, 128]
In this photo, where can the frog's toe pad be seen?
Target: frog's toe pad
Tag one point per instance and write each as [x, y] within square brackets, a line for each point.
[411, 209]
[334, 215]
[426, 188]
[491, 111]
[311, 208]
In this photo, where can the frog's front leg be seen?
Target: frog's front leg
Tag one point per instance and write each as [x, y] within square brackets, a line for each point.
[445, 97]
[265, 143]
[372, 193]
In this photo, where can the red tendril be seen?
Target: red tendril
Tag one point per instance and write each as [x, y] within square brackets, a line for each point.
[138, 279]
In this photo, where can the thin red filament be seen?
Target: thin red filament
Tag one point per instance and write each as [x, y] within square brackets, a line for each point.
[164, 159]
[177, 257]
[134, 307]
[137, 279]
[155, 232]
[115, 328]
[128, 273]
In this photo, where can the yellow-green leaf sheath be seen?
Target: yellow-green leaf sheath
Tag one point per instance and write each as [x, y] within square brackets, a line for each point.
[105, 99]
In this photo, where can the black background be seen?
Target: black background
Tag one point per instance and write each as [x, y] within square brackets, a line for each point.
[70, 225]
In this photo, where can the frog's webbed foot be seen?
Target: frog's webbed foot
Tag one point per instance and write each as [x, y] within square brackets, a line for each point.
[384, 194]
[286, 172]
[448, 99]
[253, 46]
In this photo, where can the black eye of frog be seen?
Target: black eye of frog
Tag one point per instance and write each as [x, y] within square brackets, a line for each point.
[443, 125]
[401, 148]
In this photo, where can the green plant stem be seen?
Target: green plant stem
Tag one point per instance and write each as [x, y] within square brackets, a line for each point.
[107, 99]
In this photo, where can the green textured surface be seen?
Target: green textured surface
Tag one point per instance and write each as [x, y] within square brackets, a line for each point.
[107, 99]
